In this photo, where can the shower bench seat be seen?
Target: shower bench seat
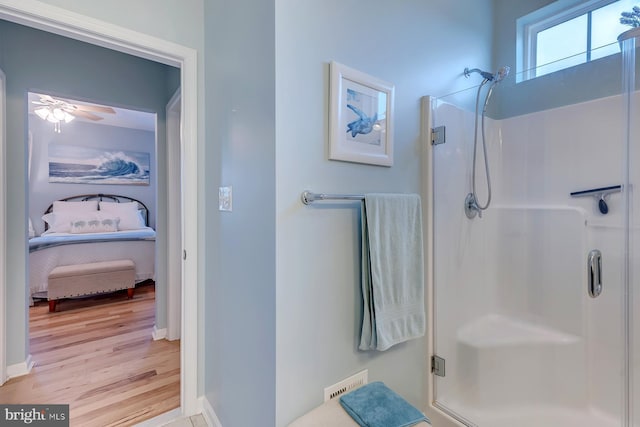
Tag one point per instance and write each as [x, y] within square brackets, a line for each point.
[496, 354]
[495, 330]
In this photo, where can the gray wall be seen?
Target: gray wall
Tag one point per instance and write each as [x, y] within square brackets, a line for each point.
[240, 306]
[32, 59]
[422, 48]
[42, 193]
[281, 301]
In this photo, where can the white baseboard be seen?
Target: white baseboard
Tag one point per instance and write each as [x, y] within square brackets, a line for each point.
[19, 369]
[209, 414]
[158, 334]
[162, 419]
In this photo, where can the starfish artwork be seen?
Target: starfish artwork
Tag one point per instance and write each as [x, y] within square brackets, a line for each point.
[363, 125]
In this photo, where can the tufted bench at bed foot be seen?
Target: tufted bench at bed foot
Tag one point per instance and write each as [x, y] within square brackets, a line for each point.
[89, 279]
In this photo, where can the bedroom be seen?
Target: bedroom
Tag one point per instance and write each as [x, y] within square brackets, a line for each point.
[38, 61]
[123, 141]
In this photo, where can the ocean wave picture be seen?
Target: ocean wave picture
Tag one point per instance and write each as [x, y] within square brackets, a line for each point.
[81, 165]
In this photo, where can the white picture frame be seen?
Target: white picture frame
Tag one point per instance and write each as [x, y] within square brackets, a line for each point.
[360, 117]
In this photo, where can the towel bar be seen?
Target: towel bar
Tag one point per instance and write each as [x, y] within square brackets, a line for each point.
[308, 197]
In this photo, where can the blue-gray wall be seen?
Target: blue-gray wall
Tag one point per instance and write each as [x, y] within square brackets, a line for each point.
[240, 290]
[32, 59]
[422, 47]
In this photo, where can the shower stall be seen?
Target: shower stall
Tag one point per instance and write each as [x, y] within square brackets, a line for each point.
[535, 303]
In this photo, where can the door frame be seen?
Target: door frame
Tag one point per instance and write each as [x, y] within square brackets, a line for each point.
[63, 22]
[3, 240]
[174, 217]
[436, 414]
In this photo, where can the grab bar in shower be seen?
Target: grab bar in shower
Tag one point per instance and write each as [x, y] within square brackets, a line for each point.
[308, 197]
[594, 273]
[599, 194]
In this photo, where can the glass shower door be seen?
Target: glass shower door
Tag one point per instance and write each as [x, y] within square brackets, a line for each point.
[526, 337]
[629, 42]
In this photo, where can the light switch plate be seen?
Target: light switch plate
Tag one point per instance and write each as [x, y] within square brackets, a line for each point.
[225, 200]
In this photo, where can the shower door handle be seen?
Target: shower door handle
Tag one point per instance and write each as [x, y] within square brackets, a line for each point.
[594, 273]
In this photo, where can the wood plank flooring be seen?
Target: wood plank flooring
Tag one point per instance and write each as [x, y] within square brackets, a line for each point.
[97, 355]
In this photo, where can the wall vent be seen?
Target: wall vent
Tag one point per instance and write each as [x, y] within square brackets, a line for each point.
[346, 385]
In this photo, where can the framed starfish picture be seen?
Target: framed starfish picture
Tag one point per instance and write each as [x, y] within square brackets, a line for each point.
[361, 117]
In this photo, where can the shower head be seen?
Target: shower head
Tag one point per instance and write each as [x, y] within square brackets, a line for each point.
[498, 76]
[485, 74]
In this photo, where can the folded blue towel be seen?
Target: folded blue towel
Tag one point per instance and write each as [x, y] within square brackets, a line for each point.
[376, 405]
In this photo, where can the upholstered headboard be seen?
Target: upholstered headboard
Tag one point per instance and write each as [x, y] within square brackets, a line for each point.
[104, 197]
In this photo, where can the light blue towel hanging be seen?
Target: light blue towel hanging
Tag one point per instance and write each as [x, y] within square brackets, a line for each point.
[392, 270]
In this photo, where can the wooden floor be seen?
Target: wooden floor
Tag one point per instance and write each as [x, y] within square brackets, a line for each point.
[97, 355]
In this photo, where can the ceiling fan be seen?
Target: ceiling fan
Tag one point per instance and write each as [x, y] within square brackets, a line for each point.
[49, 105]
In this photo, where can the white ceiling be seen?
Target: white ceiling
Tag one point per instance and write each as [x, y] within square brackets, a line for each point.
[123, 117]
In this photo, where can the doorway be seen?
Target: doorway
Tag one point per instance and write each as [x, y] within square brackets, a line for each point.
[118, 39]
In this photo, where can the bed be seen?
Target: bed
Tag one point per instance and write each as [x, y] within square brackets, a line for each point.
[92, 228]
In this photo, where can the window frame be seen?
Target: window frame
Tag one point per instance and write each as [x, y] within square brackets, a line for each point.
[542, 19]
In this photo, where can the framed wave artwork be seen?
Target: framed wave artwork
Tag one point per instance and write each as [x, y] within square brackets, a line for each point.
[361, 117]
[82, 165]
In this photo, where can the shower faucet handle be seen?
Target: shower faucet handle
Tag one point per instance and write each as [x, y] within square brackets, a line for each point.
[471, 208]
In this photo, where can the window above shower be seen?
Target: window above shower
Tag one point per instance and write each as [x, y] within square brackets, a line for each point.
[567, 33]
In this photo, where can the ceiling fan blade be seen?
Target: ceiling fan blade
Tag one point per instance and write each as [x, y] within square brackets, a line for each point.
[86, 115]
[46, 98]
[96, 108]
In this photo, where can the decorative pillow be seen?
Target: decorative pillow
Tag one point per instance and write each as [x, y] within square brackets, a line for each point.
[59, 222]
[91, 222]
[118, 207]
[129, 214]
[75, 207]
[94, 224]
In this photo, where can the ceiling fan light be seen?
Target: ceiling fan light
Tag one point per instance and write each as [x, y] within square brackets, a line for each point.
[51, 118]
[58, 113]
[68, 117]
[42, 112]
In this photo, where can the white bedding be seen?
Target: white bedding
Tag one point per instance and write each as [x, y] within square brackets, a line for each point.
[54, 249]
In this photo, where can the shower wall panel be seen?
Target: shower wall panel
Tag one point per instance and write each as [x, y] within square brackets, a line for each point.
[546, 155]
[513, 316]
